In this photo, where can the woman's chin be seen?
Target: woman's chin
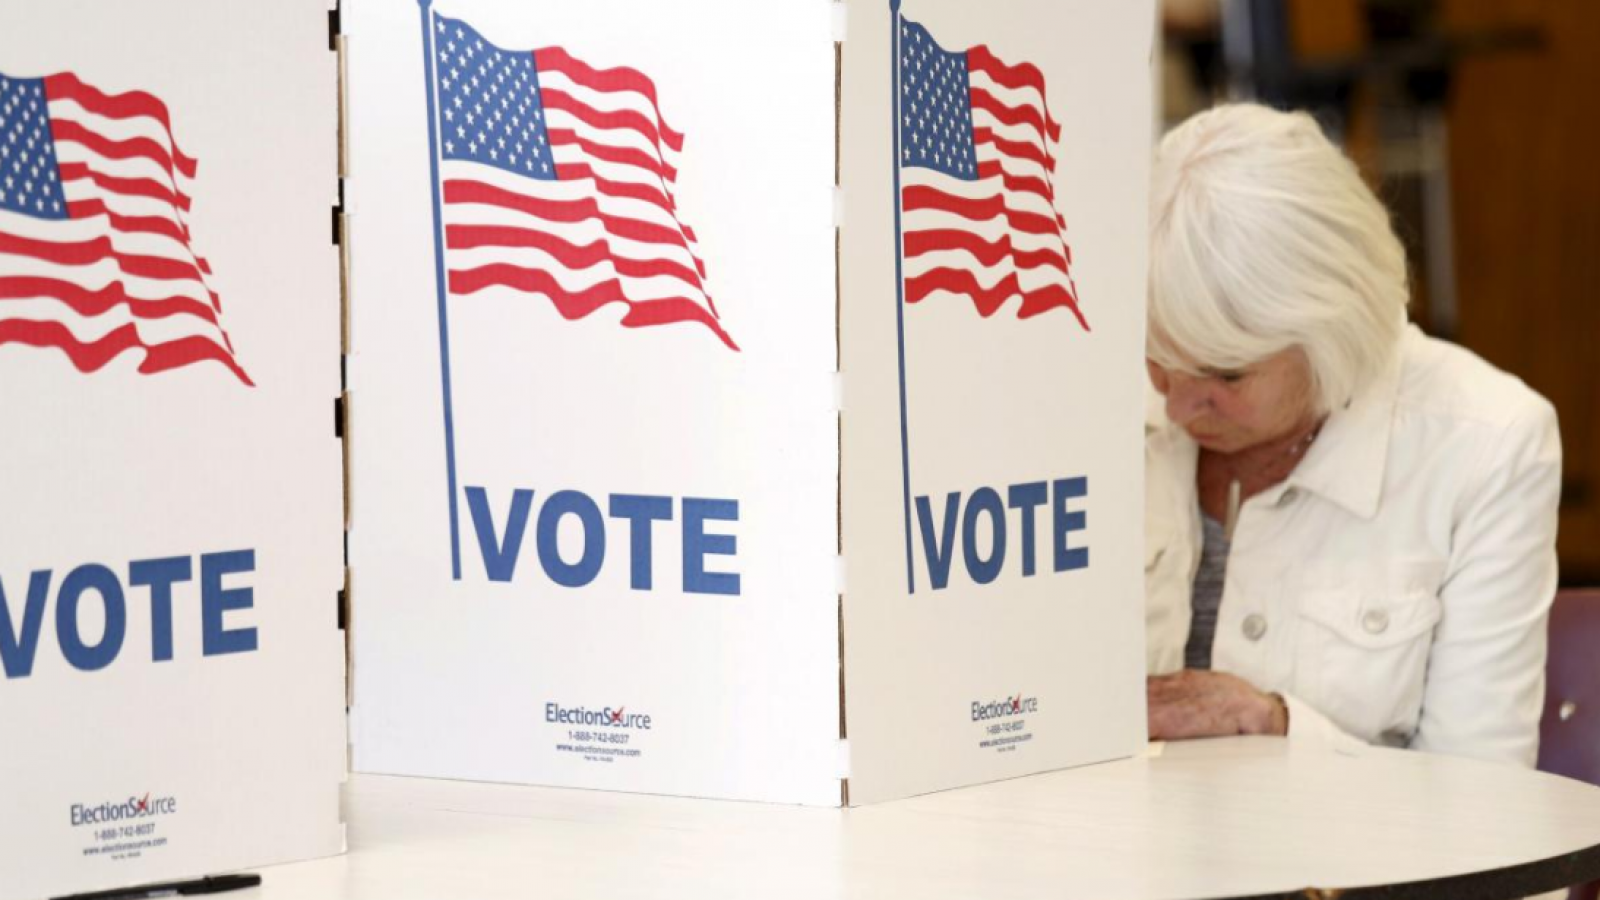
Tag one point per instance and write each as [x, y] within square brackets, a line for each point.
[1216, 443]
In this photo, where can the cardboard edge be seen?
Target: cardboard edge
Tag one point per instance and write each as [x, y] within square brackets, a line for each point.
[338, 44]
[840, 12]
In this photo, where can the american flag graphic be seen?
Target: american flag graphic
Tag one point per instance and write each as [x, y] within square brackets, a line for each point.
[978, 198]
[95, 253]
[558, 180]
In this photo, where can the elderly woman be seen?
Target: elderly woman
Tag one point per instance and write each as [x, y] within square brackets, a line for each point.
[1350, 526]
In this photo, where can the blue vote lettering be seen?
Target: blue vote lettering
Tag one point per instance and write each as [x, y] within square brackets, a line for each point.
[93, 583]
[985, 561]
[638, 514]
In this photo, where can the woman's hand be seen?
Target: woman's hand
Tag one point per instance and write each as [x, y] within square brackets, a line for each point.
[1196, 703]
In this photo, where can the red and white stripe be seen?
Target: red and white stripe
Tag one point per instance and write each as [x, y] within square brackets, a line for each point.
[1001, 236]
[607, 230]
[121, 272]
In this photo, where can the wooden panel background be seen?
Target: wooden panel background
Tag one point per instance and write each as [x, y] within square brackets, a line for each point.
[1525, 131]
[1525, 160]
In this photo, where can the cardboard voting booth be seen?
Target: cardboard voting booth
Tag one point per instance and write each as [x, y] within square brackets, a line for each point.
[170, 512]
[992, 484]
[746, 397]
[740, 401]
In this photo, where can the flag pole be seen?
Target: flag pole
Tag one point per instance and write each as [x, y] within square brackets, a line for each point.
[900, 291]
[429, 79]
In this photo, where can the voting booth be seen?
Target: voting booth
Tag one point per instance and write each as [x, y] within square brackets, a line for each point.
[172, 693]
[746, 398]
[737, 401]
[992, 346]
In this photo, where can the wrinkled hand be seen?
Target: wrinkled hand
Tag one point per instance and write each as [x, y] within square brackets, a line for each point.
[1196, 703]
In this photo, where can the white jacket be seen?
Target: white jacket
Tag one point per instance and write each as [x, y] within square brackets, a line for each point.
[1396, 587]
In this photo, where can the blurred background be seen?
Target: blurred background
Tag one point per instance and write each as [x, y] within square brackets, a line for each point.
[1478, 123]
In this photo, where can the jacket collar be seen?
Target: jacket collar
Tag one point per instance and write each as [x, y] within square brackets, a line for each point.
[1345, 465]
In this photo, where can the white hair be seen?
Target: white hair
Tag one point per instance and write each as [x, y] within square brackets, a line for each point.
[1263, 238]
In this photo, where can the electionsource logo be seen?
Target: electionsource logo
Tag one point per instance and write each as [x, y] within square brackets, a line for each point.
[605, 717]
[1001, 709]
[132, 808]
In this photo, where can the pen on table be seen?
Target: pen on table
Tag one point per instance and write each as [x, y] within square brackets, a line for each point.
[215, 884]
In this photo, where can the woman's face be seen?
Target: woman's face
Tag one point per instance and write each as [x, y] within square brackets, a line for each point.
[1229, 411]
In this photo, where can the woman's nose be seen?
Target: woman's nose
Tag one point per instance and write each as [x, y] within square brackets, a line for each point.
[1187, 398]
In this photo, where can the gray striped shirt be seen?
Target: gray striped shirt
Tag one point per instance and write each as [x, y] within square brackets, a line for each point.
[1206, 595]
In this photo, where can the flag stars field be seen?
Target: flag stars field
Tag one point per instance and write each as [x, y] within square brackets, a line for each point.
[561, 185]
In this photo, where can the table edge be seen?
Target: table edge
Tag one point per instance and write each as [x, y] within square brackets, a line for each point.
[1505, 883]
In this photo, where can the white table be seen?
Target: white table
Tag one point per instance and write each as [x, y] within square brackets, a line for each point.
[1227, 818]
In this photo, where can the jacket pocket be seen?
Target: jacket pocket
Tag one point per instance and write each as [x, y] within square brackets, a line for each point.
[1366, 647]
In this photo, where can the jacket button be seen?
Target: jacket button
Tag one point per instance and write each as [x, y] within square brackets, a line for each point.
[1254, 627]
[1375, 621]
[1568, 710]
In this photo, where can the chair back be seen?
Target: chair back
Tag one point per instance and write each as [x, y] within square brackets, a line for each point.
[1569, 733]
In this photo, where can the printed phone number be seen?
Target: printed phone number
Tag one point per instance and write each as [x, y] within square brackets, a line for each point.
[1005, 727]
[598, 737]
[124, 831]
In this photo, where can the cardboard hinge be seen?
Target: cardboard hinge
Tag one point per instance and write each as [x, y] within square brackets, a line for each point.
[334, 29]
[338, 42]
[345, 437]
[347, 622]
[344, 602]
[838, 111]
[841, 748]
[844, 719]
[841, 22]
[344, 276]
[341, 47]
